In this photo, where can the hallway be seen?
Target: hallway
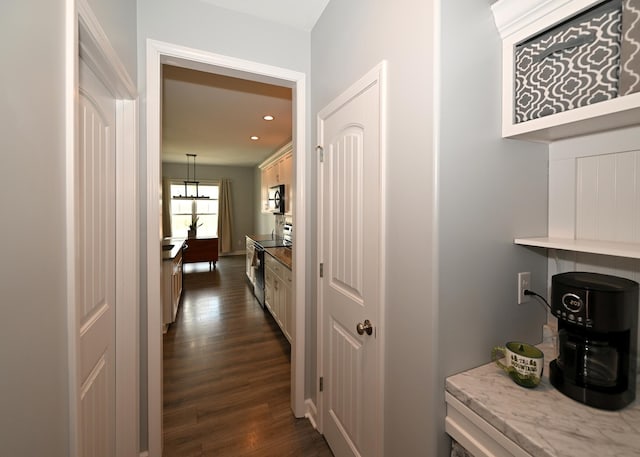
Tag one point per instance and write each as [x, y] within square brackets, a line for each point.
[226, 374]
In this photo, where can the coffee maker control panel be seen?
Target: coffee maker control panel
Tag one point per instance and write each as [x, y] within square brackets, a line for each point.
[572, 303]
[574, 309]
[594, 302]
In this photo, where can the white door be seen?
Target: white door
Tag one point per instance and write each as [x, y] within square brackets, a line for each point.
[351, 286]
[94, 202]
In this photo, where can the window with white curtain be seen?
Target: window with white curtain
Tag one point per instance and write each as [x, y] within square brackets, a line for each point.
[185, 209]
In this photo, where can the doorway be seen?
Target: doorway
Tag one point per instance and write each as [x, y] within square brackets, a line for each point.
[159, 53]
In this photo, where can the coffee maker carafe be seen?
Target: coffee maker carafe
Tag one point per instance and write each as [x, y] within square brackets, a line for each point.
[597, 338]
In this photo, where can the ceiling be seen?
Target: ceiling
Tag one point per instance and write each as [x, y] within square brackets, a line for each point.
[214, 117]
[299, 14]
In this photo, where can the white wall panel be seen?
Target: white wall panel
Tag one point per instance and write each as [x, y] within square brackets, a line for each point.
[607, 197]
[604, 203]
[562, 203]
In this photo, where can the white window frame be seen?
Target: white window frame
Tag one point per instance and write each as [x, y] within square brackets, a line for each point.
[204, 182]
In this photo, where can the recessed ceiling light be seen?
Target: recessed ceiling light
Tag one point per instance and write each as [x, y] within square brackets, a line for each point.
[255, 138]
[268, 117]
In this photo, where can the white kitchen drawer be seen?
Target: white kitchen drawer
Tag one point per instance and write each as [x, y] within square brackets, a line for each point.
[272, 263]
[475, 434]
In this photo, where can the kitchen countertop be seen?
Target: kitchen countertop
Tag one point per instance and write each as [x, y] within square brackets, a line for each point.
[259, 238]
[543, 421]
[283, 255]
[170, 254]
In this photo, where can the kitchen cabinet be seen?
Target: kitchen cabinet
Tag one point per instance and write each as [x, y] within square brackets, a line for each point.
[490, 416]
[201, 250]
[286, 171]
[171, 288]
[279, 172]
[277, 294]
[278, 169]
[250, 252]
[519, 20]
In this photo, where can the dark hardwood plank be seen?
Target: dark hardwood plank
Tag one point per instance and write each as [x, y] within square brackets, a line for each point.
[226, 374]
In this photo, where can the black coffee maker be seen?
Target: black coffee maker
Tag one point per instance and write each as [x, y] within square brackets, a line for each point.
[597, 338]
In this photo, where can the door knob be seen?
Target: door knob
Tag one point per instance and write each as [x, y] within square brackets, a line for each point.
[363, 327]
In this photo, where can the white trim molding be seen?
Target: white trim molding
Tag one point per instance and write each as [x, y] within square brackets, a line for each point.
[312, 412]
[97, 52]
[512, 15]
[159, 53]
[276, 155]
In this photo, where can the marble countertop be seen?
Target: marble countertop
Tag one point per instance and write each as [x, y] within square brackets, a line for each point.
[543, 421]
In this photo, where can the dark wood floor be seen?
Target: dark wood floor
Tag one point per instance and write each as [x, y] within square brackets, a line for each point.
[226, 374]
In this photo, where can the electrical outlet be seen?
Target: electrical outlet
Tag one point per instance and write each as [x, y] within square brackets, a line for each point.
[524, 283]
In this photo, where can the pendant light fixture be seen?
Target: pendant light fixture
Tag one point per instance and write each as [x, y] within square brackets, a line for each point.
[191, 182]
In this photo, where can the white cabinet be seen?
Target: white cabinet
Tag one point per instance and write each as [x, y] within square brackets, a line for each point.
[270, 175]
[475, 434]
[277, 294]
[279, 172]
[599, 140]
[286, 172]
[278, 169]
[519, 20]
[171, 289]
[250, 261]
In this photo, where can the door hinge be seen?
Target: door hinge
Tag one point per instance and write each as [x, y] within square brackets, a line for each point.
[320, 150]
[321, 383]
[322, 270]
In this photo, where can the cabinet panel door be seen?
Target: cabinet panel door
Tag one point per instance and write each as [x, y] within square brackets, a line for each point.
[286, 169]
[288, 305]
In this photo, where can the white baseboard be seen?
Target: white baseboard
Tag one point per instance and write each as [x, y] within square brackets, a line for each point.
[312, 412]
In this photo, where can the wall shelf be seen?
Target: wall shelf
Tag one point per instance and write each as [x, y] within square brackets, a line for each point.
[611, 248]
[518, 20]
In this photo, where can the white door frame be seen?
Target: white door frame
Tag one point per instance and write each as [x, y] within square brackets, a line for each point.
[159, 53]
[85, 37]
[376, 76]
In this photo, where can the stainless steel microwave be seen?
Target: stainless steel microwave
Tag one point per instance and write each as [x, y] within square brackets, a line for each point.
[275, 200]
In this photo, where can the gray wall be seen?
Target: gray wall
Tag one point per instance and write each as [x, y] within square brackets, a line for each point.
[196, 24]
[454, 206]
[242, 194]
[491, 191]
[33, 352]
[33, 343]
[351, 37]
